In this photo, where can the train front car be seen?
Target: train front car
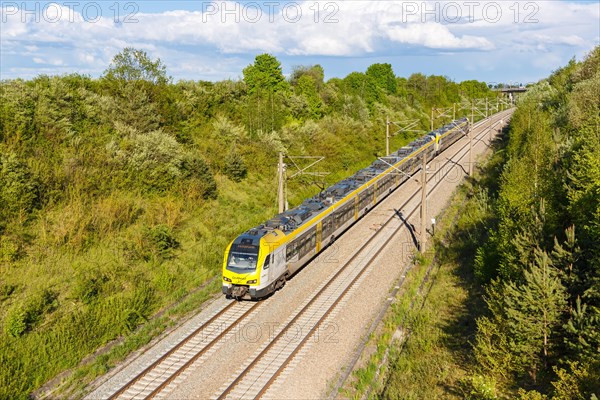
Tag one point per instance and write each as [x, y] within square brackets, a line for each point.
[254, 264]
[242, 265]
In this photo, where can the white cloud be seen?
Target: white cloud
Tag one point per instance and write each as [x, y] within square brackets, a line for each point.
[436, 36]
[570, 40]
[57, 62]
[183, 38]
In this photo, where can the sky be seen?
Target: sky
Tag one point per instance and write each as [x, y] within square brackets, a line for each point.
[491, 41]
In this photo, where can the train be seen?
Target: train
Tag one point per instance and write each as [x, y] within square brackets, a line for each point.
[260, 261]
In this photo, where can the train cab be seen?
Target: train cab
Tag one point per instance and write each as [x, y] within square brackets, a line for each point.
[253, 264]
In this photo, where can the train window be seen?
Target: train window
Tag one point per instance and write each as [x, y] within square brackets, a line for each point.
[306, 246]
[327, 226]
[267, 262]
[365, 197]
[310, 240]
[291, 250]
[339, 217]
[346, 212]
[242, 258]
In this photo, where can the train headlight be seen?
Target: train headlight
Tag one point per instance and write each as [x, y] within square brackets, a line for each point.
[226, 279]
[251, 281]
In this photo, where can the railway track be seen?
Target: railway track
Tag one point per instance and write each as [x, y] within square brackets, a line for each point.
[257, 376]
[152, 381]
[272, 359]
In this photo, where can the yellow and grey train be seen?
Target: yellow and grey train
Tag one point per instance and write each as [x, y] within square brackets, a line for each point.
[259, 261]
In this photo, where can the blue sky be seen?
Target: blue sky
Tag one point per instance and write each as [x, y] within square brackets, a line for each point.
[493, 41]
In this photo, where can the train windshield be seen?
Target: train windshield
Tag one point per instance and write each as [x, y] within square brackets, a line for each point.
[242, 258]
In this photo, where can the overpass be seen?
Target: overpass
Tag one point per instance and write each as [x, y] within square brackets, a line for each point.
[520, 89]
[511, 92]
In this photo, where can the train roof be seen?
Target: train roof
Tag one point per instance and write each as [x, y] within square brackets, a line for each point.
[293, 218]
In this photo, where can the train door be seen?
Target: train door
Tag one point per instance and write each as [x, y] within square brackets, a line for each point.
[265, 272]
[278, 264]
[375, 186]
[319, 235]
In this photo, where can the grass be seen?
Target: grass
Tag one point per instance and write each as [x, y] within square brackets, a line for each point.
[423, 349]
[369, 379]
[107, 284]
[115, 261]
[74, 385]
[101, 256]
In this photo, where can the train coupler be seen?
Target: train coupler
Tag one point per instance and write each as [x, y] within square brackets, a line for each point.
[238, 292]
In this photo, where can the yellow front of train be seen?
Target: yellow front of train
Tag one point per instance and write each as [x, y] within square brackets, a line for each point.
[242, 266]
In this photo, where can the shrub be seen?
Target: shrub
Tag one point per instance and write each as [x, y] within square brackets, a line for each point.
[235, 168]
[41, 303]
[227, 131]
[10, 250]
[18, 188]
[162, 240]
[153, 159]
[479, 387]
[196, 169]
[23, 317]
[88, 286]
[6, 290]
[138, 307]
[15, 324]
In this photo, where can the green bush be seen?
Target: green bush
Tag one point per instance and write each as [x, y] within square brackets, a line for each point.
[479, 387]
[15, 324]
[88, 286]
[198, 172]
[10, 250]
[235, 168]
[18, 188]
[41, 303]
[153, 159]
[162, 241]
[23, 317]
[138, 307]
[6, 290]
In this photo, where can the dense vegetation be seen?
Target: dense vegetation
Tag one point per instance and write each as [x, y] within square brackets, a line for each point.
[540, 264]
[520, 273]
[119, 194]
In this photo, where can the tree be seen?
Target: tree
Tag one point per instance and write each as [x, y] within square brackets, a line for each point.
[18, 188]
[139, 86]
[579, 381]
[316, 72]
[383, 76]
[307, 88]
[134, 65]
[235, 168]
[359, 84]
[582, 332]
[527, 315]
[264, 75]
[17, 109]
[565, 257]
[134, 108]
[268, 91]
